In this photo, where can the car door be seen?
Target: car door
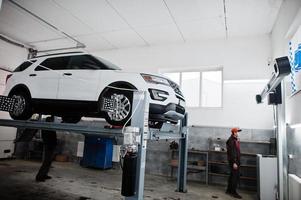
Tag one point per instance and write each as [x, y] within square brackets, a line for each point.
[44, 78]
[80, 80]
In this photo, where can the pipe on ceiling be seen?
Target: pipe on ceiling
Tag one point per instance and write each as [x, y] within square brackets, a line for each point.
[13, 42]
[78, 43]
[225, 18]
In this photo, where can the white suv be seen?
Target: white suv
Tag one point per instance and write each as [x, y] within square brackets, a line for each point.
[73, 85]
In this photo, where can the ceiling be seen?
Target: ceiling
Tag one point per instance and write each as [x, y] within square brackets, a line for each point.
[115, 24]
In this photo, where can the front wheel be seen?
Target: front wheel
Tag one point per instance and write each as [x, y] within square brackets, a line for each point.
[22, 107]
[117, 105]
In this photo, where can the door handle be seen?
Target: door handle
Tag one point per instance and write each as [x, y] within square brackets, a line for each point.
[67, 74]
[32, 75]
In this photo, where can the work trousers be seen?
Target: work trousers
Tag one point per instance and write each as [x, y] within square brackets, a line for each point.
[233, 179]
[48, 157]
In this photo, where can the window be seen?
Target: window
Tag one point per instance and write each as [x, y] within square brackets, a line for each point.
[108, 64]
[190, 86]
[59, 63]
[24, 66]
[211, 89]
[199, 88]
[85, 62]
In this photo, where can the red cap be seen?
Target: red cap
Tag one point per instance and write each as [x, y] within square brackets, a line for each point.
[235, 130]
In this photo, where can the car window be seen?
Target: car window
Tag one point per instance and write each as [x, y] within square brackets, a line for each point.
[24, 65]
[85, 62]
[108, 64]
[58, 63]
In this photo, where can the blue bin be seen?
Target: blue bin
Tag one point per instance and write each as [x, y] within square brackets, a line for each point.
[98, 152]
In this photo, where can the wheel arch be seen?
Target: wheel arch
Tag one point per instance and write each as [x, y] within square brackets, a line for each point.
[123, 84]
[20, 87]
[118, 84]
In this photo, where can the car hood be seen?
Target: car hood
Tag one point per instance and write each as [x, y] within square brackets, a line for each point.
[139, 73]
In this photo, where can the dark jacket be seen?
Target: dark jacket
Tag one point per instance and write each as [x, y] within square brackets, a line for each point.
[233, 150]
[49, 138]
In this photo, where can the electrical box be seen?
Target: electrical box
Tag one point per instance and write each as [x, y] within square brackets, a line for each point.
[97, 152]
[6, 149]
[266, 167]
[80, 149]
[116, 153]
[294, 187]
[7, 137]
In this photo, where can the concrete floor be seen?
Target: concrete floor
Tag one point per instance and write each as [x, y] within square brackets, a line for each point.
[72, 182]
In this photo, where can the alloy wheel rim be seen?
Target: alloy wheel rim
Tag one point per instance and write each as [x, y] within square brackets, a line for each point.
[20, 104]
[121, 109]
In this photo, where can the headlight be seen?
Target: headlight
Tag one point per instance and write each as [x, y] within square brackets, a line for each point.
[158, 94]
[154, 79]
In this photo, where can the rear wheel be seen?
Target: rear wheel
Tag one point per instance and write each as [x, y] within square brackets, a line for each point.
[117, 106]
[22, 107]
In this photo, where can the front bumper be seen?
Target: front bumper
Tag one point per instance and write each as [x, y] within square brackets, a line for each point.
[162, 113]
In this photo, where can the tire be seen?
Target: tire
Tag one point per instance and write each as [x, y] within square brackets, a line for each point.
[123, 113]
[23, 107]
[71, 119]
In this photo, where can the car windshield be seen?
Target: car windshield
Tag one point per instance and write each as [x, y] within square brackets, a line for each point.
[107, 63]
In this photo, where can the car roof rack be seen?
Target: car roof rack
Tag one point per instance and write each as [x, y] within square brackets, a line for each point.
[54, 54]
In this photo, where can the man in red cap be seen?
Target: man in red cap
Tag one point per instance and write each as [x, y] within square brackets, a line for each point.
[233, 152]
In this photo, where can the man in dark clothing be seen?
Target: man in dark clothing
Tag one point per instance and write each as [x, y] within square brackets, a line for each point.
[50, 142]
[233, 152]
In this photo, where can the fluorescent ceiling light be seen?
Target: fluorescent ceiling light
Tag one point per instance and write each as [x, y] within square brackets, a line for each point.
[248, 81]
[296, 125]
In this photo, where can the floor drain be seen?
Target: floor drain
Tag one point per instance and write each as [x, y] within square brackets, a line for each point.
[214, 197]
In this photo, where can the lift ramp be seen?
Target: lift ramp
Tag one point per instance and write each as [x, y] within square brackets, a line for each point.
[51, 126]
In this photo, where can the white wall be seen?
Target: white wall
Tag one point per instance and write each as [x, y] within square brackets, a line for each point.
[239, 109]
[241, 58]
[11, 56]
[287, 15]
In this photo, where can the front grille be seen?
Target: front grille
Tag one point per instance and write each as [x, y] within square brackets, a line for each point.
[175, 87]
[180, 109]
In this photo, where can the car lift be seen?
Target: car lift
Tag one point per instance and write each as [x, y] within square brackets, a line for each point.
[275, 91]
[140, 122]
